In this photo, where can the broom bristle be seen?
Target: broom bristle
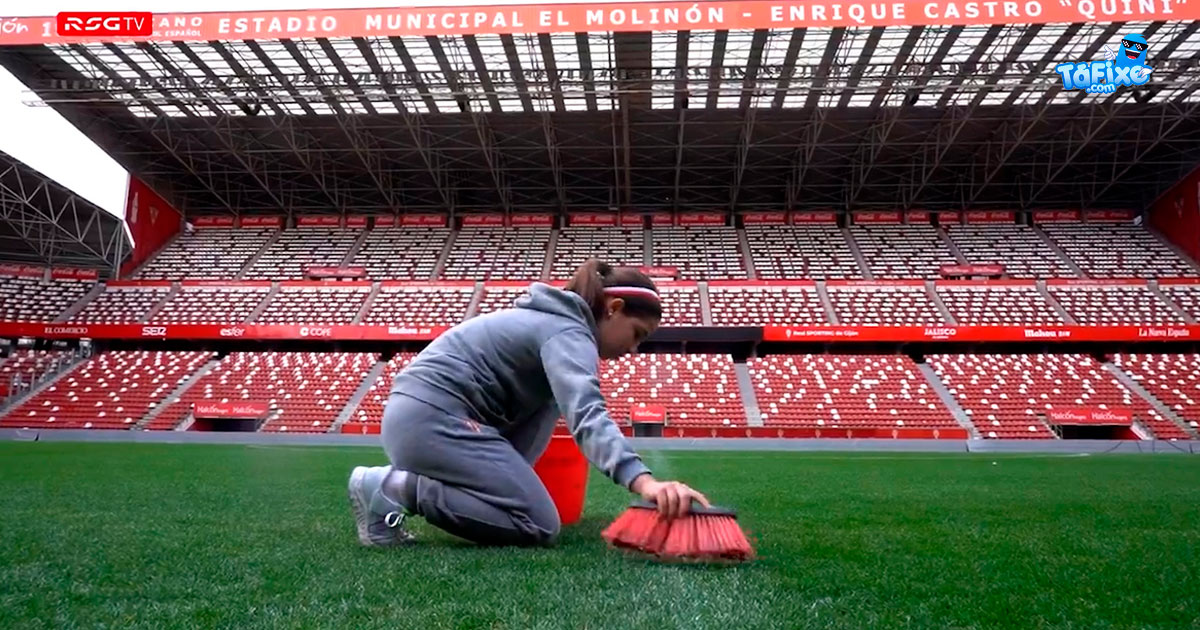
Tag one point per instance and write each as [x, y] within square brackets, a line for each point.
[705, 535]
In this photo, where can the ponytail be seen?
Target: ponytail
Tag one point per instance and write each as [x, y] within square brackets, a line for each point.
[597, 280]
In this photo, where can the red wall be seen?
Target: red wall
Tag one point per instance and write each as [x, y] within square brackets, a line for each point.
[152, 222]
[1177, 214]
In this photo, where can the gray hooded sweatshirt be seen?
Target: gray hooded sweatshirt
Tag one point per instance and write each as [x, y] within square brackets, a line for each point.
[530, 364]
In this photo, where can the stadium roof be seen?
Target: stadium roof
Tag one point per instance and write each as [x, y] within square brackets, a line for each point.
[893, 115]
[45, 223]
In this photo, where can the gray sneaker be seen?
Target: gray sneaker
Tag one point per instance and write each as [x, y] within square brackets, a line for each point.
[380, 521]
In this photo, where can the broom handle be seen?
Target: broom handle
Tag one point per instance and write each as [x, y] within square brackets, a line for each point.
[695, 509]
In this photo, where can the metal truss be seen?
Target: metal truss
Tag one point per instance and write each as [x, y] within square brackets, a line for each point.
[884, 117]
[42, 222]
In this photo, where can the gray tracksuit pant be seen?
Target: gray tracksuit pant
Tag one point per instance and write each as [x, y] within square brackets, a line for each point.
[471, 480]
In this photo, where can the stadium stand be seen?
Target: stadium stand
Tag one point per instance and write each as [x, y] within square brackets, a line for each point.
[618, 246]
[902, 251]
[700, 253]
[299, 248]
[885, 306]
[1019, 248]
[206, 254]
[211, 305]
[305, 390]
[315, 305]
[121, 305]
[697, 390]
[408, 253]
[111, 390]
[766, 306]
[370, 408]
[26, 366]
[1187, 297]
[1114, 305]
[681, 306]
[1174, 379]
[1140, 255]
[1004, 394]
[407, 306]
[479, 253]
[782, 252]
[845, 392]
[499, 298]
[31, 300]
[998, 306]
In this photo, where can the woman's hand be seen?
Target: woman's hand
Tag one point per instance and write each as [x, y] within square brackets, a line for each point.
[674, 499]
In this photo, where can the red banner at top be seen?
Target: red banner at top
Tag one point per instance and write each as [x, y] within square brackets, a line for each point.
[662, 219]
[765, 218]
[67, 273]
[916, 217]
[532, 220]
[701, 218]
[1102, 216]
[1056, 216]
[948, 217]
[356, 221]
[814, 217]
[595, 17]
[592, 218]
[483, 220]
[428, 220]
[22, 271]
[633, 220]
[656, 414]
[991, 216]
[319, 221]
[213, 222]
[862, 218]
[261, 222]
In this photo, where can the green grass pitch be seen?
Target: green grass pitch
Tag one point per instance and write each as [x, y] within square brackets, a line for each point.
[201, 536]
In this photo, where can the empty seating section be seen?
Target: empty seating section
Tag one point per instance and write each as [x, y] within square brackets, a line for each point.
[885, 306]
[499, 298]
[766, 306]
[314, 305]
[403, 306]
[297, 249]
[31, 300]
[121, 305]
[1187, 297]
[1174, 379]
[903, 251]
[1018, 247]
[696, 389]
[305, 390]
[1118, 251]
[211, 305]
[408, 253]
[1006, 395]
[625, 247]
[845, 392]
[708, 253]
[112, 390]
[782, 252]
[370, 409]
[1110, 306]
[681, 306]
[999, 306]
[212, 254]
[26, 366]
[500, 253]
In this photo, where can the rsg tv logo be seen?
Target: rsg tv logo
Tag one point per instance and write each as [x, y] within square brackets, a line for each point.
[122, 24]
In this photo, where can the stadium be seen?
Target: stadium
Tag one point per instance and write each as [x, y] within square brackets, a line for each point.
[929, 273]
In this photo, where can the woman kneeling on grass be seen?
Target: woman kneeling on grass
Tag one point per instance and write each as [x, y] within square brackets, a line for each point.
[470, 415]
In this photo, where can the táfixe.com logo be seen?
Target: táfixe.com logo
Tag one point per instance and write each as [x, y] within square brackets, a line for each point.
[1123, 67]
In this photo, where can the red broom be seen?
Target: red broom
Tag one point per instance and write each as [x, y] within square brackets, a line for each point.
[703, 535]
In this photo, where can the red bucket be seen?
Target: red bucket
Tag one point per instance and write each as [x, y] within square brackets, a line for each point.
[564, 471]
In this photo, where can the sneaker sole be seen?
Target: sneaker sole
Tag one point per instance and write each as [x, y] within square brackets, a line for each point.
[358, 505]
